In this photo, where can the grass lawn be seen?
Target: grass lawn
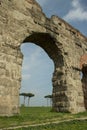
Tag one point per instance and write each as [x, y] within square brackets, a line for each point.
[72, 125]
[36, 115]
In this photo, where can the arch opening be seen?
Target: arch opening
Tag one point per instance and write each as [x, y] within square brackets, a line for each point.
[37, 69]
[53, 49]
[47, 43]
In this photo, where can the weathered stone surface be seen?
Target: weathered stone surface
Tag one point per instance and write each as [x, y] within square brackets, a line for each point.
[23, 21]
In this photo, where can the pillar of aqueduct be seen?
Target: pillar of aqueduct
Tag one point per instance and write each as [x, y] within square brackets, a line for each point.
[23, 21]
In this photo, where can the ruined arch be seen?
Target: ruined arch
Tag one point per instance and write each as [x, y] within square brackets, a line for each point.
[22, 21]
[48, 44]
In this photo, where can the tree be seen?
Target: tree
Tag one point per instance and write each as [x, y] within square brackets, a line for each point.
[29, 95]
[23, 94]
[48, 97]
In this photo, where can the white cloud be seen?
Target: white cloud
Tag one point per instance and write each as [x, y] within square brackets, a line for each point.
[76, 13]
[75, 3]
[26, 76]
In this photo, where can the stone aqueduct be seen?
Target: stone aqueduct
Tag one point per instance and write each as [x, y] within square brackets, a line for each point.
[23, 21]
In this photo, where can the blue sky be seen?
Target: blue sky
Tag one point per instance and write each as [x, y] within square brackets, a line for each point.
[37, 67]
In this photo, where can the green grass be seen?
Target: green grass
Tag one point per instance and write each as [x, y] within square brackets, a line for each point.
[36, 115]
[72, 125]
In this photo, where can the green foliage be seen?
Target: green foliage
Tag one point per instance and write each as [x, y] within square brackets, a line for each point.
[27, 94]
[48, 96]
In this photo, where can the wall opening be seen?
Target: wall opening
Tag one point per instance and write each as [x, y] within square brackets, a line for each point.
[40, 45]
[37, 70]
[84, 83]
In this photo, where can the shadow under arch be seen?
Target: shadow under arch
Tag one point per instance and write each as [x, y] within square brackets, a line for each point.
[45, 41]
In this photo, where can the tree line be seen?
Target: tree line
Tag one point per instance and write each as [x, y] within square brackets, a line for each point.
[29, 95]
